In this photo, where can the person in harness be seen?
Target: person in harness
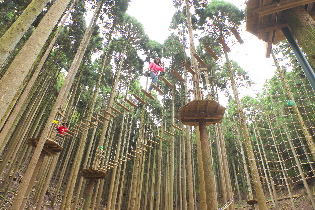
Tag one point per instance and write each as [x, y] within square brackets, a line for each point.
[155, 67]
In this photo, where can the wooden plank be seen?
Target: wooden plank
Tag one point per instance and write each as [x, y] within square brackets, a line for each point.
[81, 127]
[281, 6]
[169, 133]
[178, 128]
[59, 113]
[122, 106]
[147, 93]
[177, 75]
[131, 103]
[237, 35]
[212, 53]
[160, 137]
[86, 125]
[200, 61]
[167, 82]
[157, 88]
[187, 66]
[107, 112]
[153, 142]
[115, 110]
[136, 152]
[97, 120]
[224, 45]
[142, 149]
[101, 116]
[92, 123]
[131, 155]
[147, 146]
[139, 99]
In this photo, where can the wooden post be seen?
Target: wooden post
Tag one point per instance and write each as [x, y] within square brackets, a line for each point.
[88, 195]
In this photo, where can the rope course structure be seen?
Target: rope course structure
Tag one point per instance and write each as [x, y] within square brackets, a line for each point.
[173, 148]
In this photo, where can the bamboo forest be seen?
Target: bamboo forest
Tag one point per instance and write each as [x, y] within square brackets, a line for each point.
[94, 114]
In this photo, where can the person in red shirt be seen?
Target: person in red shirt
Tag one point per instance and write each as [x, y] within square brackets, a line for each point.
[62, 129]
[155, 68]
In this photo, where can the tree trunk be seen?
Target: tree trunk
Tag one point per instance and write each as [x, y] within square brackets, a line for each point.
[13, 35]
[302, 26]
[24, 60]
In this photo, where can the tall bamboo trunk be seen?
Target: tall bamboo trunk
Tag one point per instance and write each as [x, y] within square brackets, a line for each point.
[13, 35]
[24, 60]
[19, 106]
[253, 167]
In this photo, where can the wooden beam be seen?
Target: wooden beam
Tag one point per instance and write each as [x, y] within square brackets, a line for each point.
[281, 6]
[167, 82]
[169, 133]
[187, 66]
[153, 142]
[224, 45]
[131, 103]
[103, 117]
[178, 128]
[97, 120]
[212, 53]
[157, 89]
[201, 62]
[122, 106]
[107, 112]
[115, 110]
[139, 99]
[177, 75]
[237, 35]
[147, 93]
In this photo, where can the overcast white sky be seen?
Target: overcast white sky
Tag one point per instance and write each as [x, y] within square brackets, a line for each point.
[156, 15]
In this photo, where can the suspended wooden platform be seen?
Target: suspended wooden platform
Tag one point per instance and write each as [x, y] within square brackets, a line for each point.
[201, 110]
[50, 147]
[139, 99]
[93, 174]
[167, 82]
[147, 93]
[265, 18]
[94, 118]
[177, 75]
[157, 89]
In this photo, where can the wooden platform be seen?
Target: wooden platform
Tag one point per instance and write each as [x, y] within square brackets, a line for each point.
[264, 17]
[201, 110]
[50, 147]
[93, 174]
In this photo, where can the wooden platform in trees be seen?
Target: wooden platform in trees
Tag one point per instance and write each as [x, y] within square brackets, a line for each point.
[201, 110]
[93, 174]
[50, 148]
[265, 20]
